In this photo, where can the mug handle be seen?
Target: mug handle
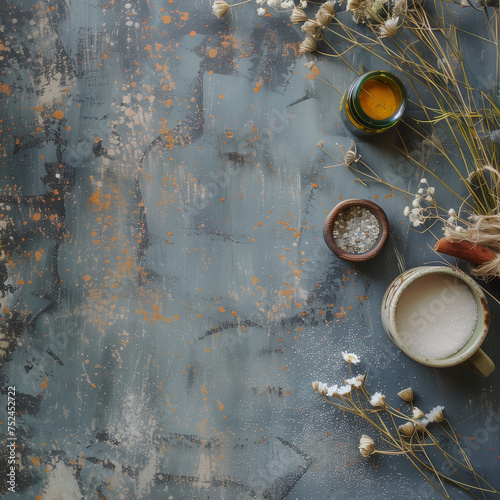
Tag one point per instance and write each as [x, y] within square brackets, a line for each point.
[480, 363]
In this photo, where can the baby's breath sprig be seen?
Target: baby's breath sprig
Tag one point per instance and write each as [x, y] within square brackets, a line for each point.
[410, 435]
[424, 207]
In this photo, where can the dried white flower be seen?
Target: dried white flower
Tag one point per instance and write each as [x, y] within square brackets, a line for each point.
[220, 8]
[366, 446]
[360, 380]
[260, 2]
[328, 6]
[406, 211]
[324, 18]
[307, 45]
[261, 11]
[320, 387]
[298, 16]
[321, 144]
[351, 156]
[345, 389]
[323, 388]
[378, 400]
[356, 381]
[303, 4]
[312, 27]
[418, 413]
[407, 429]
[406, 394]
[350, 357]
[451, 212]
[332, 390]
[436, 414]
[353, 5]
[288, 4]
[389, 28]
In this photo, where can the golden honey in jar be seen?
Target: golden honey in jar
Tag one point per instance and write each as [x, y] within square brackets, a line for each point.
[374, 102]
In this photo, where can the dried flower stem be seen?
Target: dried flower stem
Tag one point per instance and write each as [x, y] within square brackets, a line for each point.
[416, 446]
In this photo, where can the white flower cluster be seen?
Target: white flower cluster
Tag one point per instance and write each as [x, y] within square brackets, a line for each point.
[452, 221]
[378, 399]
[424, 207]
[336, 390]
[420, 420]
[421, 205]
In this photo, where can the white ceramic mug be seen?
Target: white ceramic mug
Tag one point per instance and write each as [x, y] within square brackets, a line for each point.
[470, 353]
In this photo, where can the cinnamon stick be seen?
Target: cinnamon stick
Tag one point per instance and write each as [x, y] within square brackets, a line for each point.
[475, 254]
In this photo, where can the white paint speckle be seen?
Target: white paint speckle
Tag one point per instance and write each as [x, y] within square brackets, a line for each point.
[62, 484]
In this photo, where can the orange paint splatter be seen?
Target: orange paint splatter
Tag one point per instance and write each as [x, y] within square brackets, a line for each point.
[58, 114]
[166, 19]
[221, 406]
[37, 216]
[35, 461]
[5, 88]
[95, 200]
[87, 277]
[259, 84]
[192, 33]
[221, 96]
[212, 53]
[255, 280]
[43, 385]
[222, 309]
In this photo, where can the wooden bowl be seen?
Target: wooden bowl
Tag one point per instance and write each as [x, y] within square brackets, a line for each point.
[375, 248]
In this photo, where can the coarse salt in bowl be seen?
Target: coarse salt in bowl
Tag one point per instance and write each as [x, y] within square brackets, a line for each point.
[356, 230]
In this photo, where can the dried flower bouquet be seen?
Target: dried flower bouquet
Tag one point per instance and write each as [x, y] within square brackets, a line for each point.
[421, 42]
[408, 434]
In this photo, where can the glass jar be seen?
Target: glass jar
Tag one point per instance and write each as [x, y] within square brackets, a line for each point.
[374, 102]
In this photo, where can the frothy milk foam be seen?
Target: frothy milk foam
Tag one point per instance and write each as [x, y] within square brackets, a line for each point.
[436, 315]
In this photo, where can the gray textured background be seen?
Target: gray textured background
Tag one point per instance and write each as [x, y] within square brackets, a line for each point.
[167, 294]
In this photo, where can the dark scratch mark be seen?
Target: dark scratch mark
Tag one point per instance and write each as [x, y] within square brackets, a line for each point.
[226, 325]
[310, 94]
